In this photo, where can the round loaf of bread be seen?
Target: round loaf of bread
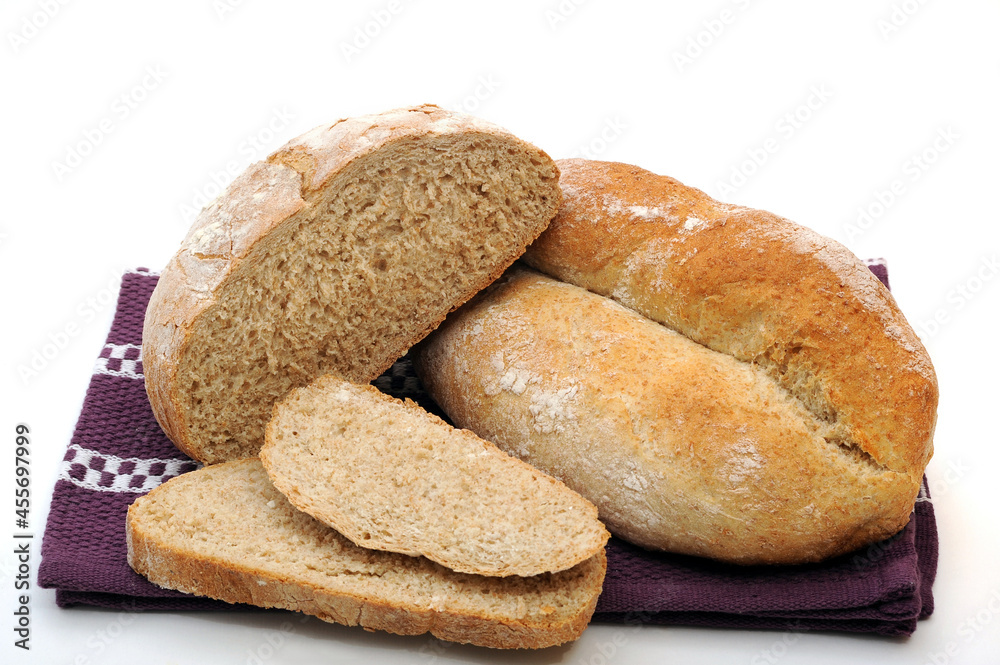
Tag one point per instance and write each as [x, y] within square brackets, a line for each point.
[769, 405]
[335, 255]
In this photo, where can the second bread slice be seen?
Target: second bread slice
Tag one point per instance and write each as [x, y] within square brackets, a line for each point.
[390, 476]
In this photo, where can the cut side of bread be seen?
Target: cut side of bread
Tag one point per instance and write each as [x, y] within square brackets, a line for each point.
[225, 532]
[343, 249]
[390, 476]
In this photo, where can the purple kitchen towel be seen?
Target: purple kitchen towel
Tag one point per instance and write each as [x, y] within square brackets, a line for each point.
[118, 452]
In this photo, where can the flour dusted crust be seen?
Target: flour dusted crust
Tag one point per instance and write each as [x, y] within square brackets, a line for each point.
[257, 201]
[241, 226]
[755, 286]
[754, 395]
[320, 153]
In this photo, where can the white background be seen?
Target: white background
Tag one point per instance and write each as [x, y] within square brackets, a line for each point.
[599, 78]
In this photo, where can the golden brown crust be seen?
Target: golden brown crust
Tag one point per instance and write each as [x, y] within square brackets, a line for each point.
[755, 286]
[682, 448]
[218, 581]
[262, 199]
[171, 565]
[686, 448]
[318, 155]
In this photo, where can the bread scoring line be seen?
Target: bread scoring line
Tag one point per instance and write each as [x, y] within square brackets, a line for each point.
[823, 426]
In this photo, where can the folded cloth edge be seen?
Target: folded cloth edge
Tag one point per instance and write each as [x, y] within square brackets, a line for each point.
[73, 589]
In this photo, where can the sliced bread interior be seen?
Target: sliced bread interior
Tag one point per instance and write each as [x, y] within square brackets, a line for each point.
[343, 249]
[390, 476]
[225, 532]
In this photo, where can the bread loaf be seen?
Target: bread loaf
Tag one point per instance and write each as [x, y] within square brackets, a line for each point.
[750, 284]
[390, 476]
[345, 247]
[779, 409]
[225, 532]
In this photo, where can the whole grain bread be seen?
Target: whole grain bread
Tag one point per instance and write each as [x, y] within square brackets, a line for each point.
[390, 476]
[334, 255]
[758, 287]
[225, 532]
[778, 410]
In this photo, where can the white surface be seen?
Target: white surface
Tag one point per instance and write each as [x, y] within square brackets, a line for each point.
[608, 67]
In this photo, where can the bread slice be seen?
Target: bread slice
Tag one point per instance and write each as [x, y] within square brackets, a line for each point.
[225, 532]
[343, 249]
[390, 476]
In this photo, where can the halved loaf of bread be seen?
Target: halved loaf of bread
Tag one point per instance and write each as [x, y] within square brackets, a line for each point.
[390, 476]
[343, 249]
[225, 532]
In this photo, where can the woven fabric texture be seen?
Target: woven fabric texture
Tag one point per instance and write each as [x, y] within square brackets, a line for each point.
[118, 452]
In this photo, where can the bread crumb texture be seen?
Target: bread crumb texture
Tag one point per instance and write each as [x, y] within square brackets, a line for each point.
[225, 532]
[390, 476]
[336, 255]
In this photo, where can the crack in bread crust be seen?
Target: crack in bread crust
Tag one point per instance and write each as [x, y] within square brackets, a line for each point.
[681, 447]
[773, 362]
[818, 362]
[755, 286]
